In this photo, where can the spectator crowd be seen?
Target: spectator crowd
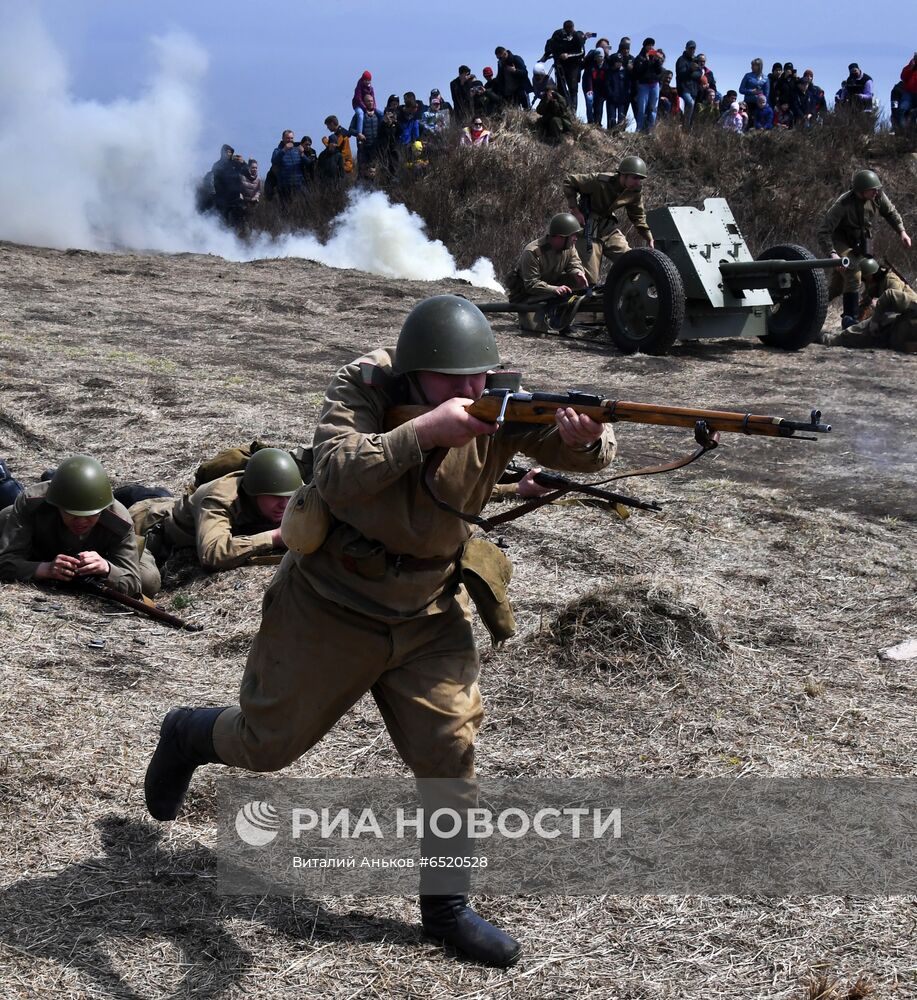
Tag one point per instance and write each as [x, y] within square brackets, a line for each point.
[397, 138]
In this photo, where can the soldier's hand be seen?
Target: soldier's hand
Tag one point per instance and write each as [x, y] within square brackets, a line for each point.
[905, 239]
[651, 244]
[563, 290]
[577, 430]
[449, 425]
[92, 564]
[528, 489]
[61, 567]
[580, 218]
[276, 540]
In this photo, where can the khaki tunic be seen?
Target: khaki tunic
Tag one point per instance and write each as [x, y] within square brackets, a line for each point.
[541, 270]
[847, 226]
[892, 325]
[32, 532]
[349, 619]
[607, 198]
[221, 522]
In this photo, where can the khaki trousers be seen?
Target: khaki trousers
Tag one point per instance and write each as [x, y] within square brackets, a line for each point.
[312, 660]
[611, 245]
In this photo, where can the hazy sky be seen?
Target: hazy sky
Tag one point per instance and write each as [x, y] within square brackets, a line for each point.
[289, 63]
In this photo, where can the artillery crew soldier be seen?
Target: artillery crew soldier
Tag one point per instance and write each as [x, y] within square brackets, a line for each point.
[378, 607]
[601, 196]
[547, 267]
[847, 231]
[72, 526]
[229, 520]
[893, 322]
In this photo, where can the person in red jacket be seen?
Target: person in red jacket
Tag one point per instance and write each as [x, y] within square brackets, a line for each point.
[907, 101]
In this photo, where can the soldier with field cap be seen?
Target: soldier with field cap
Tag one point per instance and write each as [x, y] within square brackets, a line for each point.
[602, 196]
[72, 526]
[847, 231]
[893, 319]
[547, 267]
[378, 607]
[227, 521]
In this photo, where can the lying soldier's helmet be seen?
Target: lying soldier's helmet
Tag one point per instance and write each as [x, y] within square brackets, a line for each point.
[868, 267]
[80, 487]
[564, 224]
[632, 165]
[271, 471]
[866, 180]
[446, 334]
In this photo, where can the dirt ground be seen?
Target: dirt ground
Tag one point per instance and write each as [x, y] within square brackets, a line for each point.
[745, 619]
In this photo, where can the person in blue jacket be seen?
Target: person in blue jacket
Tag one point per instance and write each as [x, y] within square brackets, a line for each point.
[755, 83]
[764, 114]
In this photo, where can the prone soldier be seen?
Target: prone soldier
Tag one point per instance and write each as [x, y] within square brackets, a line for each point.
[227, 521]
[377, 606]
[847, 231]
[893, 319]
[606, 194]
[72, 526]
[549, 266]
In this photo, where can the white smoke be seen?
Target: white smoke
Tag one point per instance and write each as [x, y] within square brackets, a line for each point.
[122, 175]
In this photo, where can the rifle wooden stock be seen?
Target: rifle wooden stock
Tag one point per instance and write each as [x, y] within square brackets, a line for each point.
[145, 606]
[540, 407]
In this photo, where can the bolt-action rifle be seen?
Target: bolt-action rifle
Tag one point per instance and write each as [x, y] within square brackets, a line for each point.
[505, 405]
[151, 610]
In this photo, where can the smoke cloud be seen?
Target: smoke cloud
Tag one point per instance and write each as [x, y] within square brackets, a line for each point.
[121, 175]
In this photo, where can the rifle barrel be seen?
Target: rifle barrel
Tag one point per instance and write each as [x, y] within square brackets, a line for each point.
[540, 407]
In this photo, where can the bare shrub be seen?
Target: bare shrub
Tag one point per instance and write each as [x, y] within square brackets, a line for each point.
[490, 201]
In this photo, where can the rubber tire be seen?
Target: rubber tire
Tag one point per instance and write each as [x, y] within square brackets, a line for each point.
[812, 290]
[670, 295]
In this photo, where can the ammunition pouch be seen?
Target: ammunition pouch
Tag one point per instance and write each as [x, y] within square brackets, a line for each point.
[486, 572]
[306, 521]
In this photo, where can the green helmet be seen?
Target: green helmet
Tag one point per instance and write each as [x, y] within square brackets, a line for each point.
[564, 224]
[868, 267]
[866, 180]
[632, 165]
[80, 487]
[446, 334]
[273, 472]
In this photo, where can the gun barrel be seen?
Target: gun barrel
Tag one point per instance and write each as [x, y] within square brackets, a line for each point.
[755, 268]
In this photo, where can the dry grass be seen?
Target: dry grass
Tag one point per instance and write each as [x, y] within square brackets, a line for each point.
[734, 635]
[493, 200]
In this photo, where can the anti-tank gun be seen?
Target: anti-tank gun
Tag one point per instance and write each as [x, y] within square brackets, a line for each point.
[700, 281]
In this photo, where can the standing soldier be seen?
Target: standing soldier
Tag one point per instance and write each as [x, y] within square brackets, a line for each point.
[72, 526]
[229, 520]
[547, 267]
[893, 322]
[847, 231]
[377, 607]
[600, 197]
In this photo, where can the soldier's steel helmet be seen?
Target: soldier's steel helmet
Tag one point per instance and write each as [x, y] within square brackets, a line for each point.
[272, 472]
[866, 180]
[564, 224]
[80, 487]
[868, 267]
[632, 165]
[446, 334]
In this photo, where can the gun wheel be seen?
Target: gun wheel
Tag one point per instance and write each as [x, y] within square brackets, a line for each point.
[799, 311]
[644, 302]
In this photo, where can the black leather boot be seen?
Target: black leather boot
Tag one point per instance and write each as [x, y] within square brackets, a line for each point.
[849, 309]
[185, 741]
[450, 919]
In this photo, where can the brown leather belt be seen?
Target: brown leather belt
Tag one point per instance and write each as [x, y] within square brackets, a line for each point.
[409, 564]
